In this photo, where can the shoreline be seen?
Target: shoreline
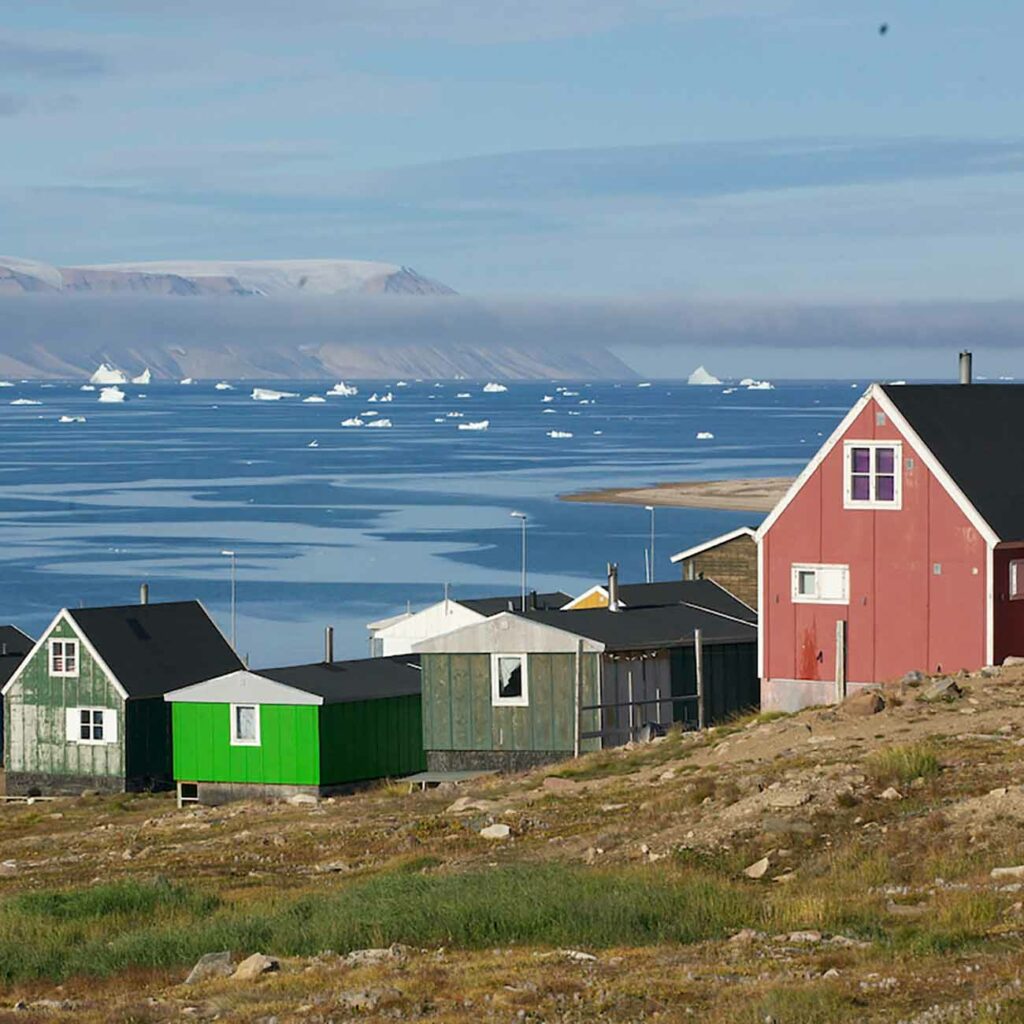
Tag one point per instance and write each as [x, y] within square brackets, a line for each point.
[751, 494]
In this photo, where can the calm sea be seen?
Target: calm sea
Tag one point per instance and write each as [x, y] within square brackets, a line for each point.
[366, 520]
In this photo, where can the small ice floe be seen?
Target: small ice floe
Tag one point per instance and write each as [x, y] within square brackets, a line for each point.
[1007, 378]
[387, 397]
[761, 385]
[701, 376]
[107, 373]
[47, 385]
[314, 399]
[343, 390]
[548, 398]
[646, 384]
[26, 401]
[463, 394]
[573, 412]
[112, 394]
[352, 421]
[598, 433]
[570, 394]
[143, 378]
[729, 391]
[547, 410]
[270, 395]
[369, 412]
[223, 385]
[559, 433]
[475, 425]
[382, 422]
[586, 401]
[313, 444]
[6, 384]
[374, 397]
[705, 435]
[439, 419]
[86, 387]
[401, 384]
[494, 388]
[186, 380]
[71, 419]
[454, 415]
[438, 385]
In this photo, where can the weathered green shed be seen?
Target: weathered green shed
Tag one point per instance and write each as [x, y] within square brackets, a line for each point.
[298, 729]
[85, 708]
[519, 690]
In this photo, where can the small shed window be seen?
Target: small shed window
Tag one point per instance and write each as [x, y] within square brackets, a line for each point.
[872, 477]
[508, 680]
[1017, 579]
[91, 725]
[64, 658]
[245, 725]
[821, 584]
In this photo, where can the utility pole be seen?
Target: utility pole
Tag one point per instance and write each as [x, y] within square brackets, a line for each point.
[650, 570]
[521, 516]
[234, 622]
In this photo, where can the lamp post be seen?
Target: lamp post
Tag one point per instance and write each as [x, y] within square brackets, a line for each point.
[521, 516]
[650, 571]
[231, 555]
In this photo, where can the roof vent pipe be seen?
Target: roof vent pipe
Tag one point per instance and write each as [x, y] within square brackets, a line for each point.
[144, 594]
[965, 367]
[613, 587]
[329, 644]
[533, 600]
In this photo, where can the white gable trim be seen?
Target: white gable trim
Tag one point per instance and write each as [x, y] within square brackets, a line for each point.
[523, 635]
[714, 542]
[242, 687]
[597, 588]
[82, 638]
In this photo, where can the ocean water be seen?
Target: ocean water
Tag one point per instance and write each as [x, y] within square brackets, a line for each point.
[367, 521]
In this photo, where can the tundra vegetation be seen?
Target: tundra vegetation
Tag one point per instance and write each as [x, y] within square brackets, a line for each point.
[830, 866]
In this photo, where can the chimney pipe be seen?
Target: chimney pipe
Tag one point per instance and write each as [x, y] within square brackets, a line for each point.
[144, 594]
[533, 600]
[329, 645]
[3, 649]
[613, 587]
[965, 367]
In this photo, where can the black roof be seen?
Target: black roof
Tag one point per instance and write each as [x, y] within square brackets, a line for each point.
[155, 648]
[14, 645]
[648, 628]
[974, 431]
[342, 682]
[705, 593]
[493, 605]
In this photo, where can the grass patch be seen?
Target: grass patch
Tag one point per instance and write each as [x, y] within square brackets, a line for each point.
[108, 929]
[903, 764]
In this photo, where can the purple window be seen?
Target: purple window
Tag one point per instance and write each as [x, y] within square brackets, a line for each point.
[885, 488]
[885, 460]
[873, 470]
[861, 488]
[860, 461]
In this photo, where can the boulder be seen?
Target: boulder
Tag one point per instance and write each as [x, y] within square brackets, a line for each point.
[745, 936]
[943, 688]
[913, 678]
[303, 800]
[374, 957]
[578, 956]
[555, 784]
[758, 869]
[1013, 661]
[210, 965]
[805, 936]
[367, 1000]
[254, 966]
[892, 793]
[864, 703]
[470, 805]
[497, 831]
[1011, 872]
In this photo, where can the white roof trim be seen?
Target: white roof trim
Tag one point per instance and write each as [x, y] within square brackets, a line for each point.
[390, 620]
[714, 542]
[82, 639]
[442, 644]
[597, 588]
[242, 687]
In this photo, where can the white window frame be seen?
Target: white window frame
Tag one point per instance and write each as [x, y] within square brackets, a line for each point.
[816, 598]
[63, 673]
[1016, 581]
[523, 700]
[237, 741]
[872, 503]
[73, 726]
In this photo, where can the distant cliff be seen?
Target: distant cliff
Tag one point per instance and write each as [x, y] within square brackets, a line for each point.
[210, 352]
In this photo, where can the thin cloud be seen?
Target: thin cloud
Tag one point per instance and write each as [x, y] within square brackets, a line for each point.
[49, 62]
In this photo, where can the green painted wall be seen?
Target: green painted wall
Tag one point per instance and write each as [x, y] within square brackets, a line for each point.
[289, 750]
[730, 681]
[371, 739]
[35, 734]
[147, 734]
[458, 714]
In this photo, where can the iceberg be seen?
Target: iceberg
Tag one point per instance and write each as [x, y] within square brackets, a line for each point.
[71, 419]
[387, 397]
[454, 415]
[86, 387]
[547, 410]
[598, 433]
[6, 384]
[25, 401]
[463, 394]
[559, 433]
[107, 373]
[343, 389]
[761, 385]
[401, 384]
[705, 435]
[111, 394]
[701, 376]
[223, 385]
[352, 421]
[494, 388]
[314, 398]
[439, 419]
[747, 381]
[143, 378]
[548, 398]
[270, 395]
[369, 412]
[729, 391]
[313, 444]
[475, 425]
[570, 394]
[186, 380]
[373, 397]
[382, 422]
[646, 384]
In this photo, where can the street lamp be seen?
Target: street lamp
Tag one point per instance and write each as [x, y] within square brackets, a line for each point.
[521, 516]
[231, 555]
[650, 571]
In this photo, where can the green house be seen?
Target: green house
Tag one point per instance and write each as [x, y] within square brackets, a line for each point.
[85, 709]
[524, 689]
[299, 729]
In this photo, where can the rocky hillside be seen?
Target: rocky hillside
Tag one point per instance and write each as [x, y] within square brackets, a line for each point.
[860, 863]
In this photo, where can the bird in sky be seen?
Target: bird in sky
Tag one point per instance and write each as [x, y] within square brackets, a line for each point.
[883, 28]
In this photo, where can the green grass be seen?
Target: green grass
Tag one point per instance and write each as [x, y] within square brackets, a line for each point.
[107, 929]
[903, 764]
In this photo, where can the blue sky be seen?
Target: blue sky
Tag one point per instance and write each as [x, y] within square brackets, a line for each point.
[737, 151]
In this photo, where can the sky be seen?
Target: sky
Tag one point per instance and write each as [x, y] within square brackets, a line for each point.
[694, 153]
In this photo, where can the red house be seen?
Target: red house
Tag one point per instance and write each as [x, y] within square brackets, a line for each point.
[899, 547]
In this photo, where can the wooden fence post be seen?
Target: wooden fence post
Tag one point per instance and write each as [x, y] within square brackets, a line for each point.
[698, 659]
[840, 660]
[578, 728]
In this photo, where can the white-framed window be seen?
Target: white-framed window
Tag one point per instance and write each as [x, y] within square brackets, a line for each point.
[1017, 579]
[509, 682]
[873, 474]
[820, 584]
[64, 658]
[91, 725]
[245, 725]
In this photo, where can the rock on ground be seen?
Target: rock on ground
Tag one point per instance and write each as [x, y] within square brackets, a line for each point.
[498, 831]
[210, 965]
[255, 965]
